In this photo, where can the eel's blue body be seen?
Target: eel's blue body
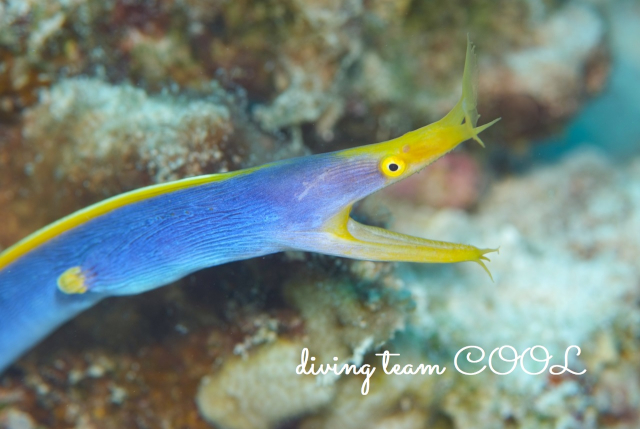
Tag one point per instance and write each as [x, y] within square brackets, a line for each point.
[159, 240]
[148, 239]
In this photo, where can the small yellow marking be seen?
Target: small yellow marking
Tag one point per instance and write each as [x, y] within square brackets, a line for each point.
[72, 281]
[78, 218]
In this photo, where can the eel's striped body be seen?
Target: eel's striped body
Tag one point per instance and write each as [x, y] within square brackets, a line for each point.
[150, 237]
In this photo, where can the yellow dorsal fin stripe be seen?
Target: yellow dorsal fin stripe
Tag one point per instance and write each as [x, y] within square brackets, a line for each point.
[78, 218]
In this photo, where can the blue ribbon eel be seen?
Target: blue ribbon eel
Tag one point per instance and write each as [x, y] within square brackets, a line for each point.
[150, 237]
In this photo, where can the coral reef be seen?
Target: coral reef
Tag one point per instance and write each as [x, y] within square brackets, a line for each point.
[97, 98]
[539, 87]
[536, 71]
[230, 398]
[139, 360]
[337, 319]
[609, 121]
[390, 64]
[557, 287]
[548, 291]
[455, 181]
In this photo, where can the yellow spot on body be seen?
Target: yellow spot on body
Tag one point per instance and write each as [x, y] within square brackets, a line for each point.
[72, 281]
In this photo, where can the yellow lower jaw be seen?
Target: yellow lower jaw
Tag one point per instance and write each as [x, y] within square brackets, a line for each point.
[386, 245]
[343, 236]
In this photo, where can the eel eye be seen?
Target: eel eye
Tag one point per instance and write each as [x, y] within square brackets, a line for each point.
[392, 166]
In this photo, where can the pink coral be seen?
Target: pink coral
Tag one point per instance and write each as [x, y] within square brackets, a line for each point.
[453, 181]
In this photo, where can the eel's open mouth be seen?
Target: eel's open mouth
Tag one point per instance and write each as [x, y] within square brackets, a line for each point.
[393, 246]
